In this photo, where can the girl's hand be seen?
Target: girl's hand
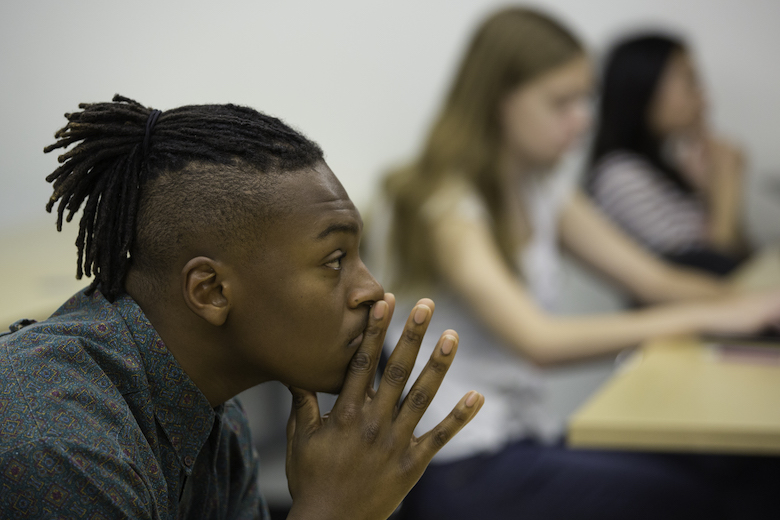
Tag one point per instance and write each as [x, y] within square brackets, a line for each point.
[703, 159]
[744, 313]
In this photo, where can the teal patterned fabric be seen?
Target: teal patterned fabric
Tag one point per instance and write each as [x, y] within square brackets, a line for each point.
[99, 421]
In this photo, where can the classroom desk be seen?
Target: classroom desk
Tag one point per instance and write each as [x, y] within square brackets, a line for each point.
[682, 394]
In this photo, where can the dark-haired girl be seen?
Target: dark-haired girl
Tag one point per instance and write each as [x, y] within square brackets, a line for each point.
[656, 170]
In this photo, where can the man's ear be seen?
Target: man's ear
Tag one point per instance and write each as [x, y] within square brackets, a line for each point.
[206, 289]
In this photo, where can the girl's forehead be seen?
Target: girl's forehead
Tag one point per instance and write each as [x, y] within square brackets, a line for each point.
[576, 73]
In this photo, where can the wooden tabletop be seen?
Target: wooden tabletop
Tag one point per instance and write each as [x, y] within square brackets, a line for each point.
[682, 394]
[685, 394]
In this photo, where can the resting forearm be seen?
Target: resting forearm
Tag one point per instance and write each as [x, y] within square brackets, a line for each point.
[559, 340]
[675, 284]
[725, 212]
[546, 339]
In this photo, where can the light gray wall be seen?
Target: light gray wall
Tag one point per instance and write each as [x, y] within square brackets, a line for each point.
[362, 78]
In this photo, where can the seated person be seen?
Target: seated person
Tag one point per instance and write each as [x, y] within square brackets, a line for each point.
[477, 220]
[225, 254]
[657, 171]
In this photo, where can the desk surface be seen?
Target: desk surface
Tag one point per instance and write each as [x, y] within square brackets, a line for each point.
[680, 394]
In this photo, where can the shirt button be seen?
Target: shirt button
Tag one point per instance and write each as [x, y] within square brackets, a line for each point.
[188, 460]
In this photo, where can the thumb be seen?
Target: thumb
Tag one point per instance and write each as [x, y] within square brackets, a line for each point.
[290, 436]
[305, 413]
[290, 430]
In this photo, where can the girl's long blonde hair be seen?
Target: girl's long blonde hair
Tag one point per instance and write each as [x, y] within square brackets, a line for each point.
[512, 47]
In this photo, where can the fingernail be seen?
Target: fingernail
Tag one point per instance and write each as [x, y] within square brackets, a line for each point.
[420, 314]
[471, 399]
[379, 310]
[446, 346]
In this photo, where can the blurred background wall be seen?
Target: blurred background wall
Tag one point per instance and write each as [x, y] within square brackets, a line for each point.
[363, 78]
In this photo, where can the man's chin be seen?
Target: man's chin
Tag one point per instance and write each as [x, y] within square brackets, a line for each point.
[327, 387]
[326, 382]
[334, 389]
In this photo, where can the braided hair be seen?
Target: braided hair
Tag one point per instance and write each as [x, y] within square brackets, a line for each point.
[134, 176]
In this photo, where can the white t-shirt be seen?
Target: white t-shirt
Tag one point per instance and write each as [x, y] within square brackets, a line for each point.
[514, 393]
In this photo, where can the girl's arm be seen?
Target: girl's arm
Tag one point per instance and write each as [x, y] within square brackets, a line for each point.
[724, 197]
[715, 168]
[469, 260]
[594, 239]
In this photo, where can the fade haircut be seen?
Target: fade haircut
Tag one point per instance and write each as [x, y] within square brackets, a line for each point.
[151, 183]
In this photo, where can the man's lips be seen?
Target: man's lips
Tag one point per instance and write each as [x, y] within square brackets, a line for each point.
[357, 334]
[355, 342]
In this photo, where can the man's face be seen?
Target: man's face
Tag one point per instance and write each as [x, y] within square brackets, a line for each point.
[300, 307]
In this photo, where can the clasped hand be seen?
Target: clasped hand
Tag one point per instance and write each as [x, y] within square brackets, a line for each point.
[360, 460]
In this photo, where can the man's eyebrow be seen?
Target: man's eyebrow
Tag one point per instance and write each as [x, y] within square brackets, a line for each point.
[342, 227]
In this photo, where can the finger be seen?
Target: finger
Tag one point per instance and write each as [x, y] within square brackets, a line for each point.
[390, 299]
[427, 384]
[362, 367]
[401, 361]
[431, 442]
[291, 424]
[305, 414]
[290, 436]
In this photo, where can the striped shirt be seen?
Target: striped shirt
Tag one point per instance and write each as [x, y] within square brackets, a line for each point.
[647, 205]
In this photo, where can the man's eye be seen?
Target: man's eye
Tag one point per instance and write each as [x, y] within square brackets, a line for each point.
[335, 263]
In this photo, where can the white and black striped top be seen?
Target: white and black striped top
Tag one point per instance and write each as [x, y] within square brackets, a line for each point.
[647, 205]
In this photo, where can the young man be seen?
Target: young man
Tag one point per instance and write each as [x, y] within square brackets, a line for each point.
[225, 254]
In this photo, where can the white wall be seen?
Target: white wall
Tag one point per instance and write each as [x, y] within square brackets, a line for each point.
[362, 78]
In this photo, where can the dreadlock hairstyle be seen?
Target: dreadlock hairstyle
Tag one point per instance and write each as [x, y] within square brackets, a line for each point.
[147, 179]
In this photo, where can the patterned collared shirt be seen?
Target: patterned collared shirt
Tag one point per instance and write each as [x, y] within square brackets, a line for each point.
[99, 421]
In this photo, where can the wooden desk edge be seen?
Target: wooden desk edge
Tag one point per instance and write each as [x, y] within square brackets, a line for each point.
[582, 432]
[591, 437]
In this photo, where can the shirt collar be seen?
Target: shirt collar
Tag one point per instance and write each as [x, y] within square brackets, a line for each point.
[181, 409]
